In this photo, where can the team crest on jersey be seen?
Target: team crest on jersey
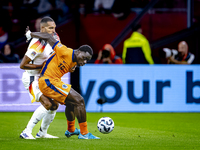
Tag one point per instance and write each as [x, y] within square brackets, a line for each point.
[59, 45]
[33, 53]
[64, 86]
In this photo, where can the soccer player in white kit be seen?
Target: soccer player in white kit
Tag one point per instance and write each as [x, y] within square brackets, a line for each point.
[38, 52]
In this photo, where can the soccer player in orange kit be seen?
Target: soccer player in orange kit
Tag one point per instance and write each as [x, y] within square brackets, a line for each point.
[62, 61]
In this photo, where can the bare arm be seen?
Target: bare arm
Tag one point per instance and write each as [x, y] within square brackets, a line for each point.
[45, 36]
[25, 64]
[171, 59]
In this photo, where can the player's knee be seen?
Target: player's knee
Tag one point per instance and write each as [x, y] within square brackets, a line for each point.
[47, 105]
[81, 102]
[45, 102]
[54, 107]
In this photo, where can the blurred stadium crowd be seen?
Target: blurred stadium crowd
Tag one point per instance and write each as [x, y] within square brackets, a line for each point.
[17, 14]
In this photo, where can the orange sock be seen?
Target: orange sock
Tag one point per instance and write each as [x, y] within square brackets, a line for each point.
[71, 125]
[83, 128]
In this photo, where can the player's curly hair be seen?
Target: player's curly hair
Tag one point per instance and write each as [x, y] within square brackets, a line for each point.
[86, 48]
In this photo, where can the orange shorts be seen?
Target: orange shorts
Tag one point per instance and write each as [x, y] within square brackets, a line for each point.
[54, 88]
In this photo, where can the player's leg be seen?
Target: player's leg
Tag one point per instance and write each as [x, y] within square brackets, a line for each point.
[64, 94]
[38, 114]
[75, 100]
[50, 112]
[69, 113]
[51, 107]
[41, 113]
[51, 89]
[48, 103]
[46, 111]
[48, 118]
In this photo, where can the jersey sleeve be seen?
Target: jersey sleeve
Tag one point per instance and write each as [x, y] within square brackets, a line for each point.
[35, 47]
[60, 49]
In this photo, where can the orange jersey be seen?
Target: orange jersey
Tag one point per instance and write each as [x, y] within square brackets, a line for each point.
[60, 62]
[54, 88]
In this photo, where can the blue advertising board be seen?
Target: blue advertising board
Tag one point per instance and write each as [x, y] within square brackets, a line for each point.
[141, 88]
[13, 96]
[127, 88]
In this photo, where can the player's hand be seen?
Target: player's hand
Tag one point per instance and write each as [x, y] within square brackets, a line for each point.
[27, 28]
[44, 63]
[27, 34]
[72, 69]
[55, 35]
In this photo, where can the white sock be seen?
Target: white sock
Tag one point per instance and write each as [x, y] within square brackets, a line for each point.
[48, 118]
[38, 114]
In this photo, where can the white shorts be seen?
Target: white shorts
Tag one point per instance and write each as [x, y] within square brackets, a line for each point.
[31, 84]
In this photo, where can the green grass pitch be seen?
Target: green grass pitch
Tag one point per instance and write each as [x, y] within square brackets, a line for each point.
[137, 131]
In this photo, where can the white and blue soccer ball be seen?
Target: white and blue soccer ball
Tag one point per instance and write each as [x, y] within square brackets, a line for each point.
[105, 125]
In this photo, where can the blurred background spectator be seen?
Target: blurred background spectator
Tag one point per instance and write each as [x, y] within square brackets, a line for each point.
[164, 23]
[37, 24]
[180, 56]
[103, 6]
[7, 54]
[136, 49]
[121, 9]
[118, 8]
[107, 55]
[3, 37]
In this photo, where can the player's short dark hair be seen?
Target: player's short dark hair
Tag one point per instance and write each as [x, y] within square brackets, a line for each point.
[86, 48]
[46, 19]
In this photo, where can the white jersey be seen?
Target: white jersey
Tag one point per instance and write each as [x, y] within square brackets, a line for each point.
[38, 51]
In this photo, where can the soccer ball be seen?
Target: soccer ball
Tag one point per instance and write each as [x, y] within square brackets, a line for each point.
[105, 125]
